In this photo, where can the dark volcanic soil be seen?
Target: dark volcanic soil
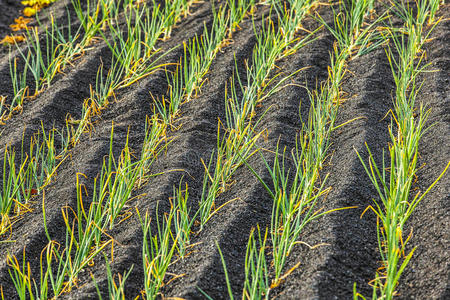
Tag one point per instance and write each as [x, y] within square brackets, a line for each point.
[348, 253]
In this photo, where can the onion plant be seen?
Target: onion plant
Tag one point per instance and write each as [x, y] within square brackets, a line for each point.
[256, 284]
[116, 291]
[19, 85]
[105, 87]
[33, 172]
[86, 234]
[157, 252]
[93, 18]
[182, 221]
[393, 180]
[22, 279]
[10, 191]
[45, 156]
[33, 60]
[353, 38]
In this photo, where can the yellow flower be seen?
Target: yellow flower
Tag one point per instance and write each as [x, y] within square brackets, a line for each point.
[20, 23]
[30, 11]
[38, 3]
[30, 2]
[12, 39]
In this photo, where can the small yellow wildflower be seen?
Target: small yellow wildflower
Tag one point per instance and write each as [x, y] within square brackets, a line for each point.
[12, 39]
[20, 23]
[30, 11]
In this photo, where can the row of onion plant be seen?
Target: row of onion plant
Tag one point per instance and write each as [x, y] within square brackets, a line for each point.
[173, 228]
[394, 179]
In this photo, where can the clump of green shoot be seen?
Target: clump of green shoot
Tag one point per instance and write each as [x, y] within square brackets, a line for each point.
[24, 175]
[256, 284]
[182, 221]
[116, 287]
[157, 252]
[10, 191]
[353, 37]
